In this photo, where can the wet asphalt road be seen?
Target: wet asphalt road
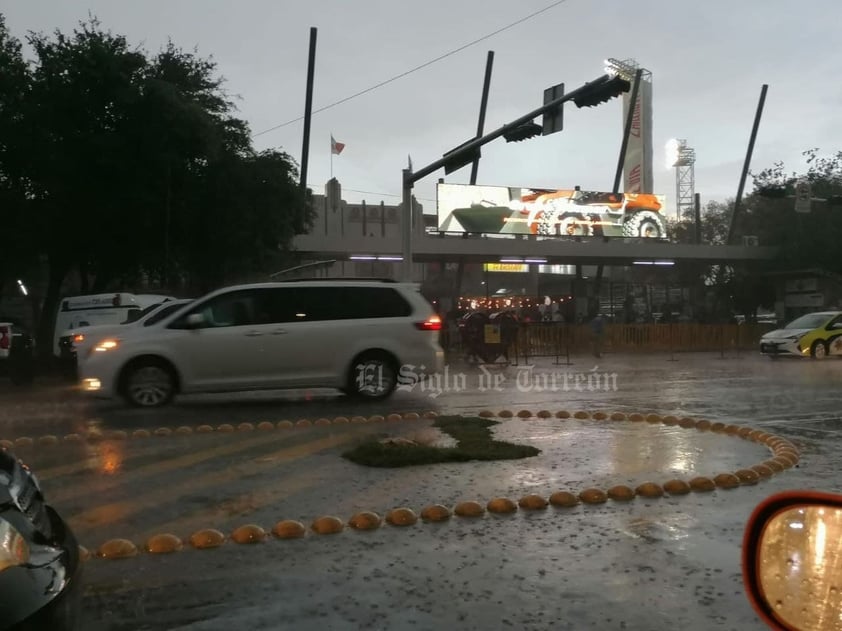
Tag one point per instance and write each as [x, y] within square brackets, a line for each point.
[648, 564]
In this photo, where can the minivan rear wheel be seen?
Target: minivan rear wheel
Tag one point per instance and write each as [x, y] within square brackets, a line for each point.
[373, 376]
[149, 384]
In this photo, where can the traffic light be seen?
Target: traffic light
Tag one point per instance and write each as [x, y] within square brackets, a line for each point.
[457, 158]
[523, 132]
[601, 91]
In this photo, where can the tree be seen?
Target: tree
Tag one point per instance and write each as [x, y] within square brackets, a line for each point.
[806, 241]
[714, 219]
[128, 165]
[16, 232]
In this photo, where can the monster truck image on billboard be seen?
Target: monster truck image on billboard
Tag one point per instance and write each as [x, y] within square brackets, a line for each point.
[548, 212]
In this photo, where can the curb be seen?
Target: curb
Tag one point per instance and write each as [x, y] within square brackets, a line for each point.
[784, 455]
[224, 428]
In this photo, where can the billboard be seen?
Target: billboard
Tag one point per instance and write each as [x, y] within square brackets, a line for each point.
[548, 212]
[637, 169]
[523, 268]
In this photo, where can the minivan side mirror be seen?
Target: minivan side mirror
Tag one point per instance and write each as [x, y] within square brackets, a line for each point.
[195, 321]
[791, 559]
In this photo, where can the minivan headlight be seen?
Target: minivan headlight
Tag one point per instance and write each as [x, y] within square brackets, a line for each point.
[14, 550]
[106, 345]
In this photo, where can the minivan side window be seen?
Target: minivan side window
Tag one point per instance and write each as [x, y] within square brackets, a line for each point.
[235, 308]
[312, 304]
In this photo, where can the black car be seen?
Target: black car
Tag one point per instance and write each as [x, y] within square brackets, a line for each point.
[40, 567]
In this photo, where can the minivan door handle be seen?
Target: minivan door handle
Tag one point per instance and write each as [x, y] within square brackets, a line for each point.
[279, 332]
[253, 333]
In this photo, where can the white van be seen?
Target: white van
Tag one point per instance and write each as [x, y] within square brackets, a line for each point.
[82, 311]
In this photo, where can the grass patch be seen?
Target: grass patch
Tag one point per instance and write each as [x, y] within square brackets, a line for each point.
[474, 442]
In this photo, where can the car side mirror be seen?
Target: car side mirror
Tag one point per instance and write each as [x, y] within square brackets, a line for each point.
[195, 321]
[837, 326]
[792, 560]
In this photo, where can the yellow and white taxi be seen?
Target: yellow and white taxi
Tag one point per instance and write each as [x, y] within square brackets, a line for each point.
[817, 335]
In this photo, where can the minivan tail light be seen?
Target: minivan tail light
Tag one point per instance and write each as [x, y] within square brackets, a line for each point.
[4, 338]
[430, 324]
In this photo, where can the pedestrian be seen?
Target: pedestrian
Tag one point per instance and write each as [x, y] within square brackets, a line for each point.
[597, 333]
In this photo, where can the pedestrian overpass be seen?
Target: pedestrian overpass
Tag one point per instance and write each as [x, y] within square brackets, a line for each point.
[448, 247]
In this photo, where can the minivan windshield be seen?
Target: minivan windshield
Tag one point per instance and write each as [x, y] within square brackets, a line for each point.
[136, 314]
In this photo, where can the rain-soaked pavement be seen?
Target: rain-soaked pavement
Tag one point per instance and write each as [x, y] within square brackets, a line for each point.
[646, 564]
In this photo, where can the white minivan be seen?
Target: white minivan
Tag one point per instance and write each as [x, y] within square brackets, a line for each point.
[359, 336]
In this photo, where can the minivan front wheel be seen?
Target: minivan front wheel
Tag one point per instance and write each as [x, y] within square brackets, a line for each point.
[149, 384]
[373, 376]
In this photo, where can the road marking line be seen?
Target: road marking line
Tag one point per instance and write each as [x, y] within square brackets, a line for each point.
[199, 519]
[115, 511]
[180, 462]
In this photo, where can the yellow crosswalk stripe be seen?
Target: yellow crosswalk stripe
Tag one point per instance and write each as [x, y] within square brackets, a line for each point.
[217, 515]
[89, 520]
[59, 495]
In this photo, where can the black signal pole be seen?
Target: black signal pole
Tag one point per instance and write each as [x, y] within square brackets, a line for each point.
[308, 111]
[744, 174]
[483, 106]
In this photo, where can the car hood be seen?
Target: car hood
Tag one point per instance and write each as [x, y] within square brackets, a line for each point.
[785, 333]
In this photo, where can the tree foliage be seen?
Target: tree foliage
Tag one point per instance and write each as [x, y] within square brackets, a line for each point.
[803, 241]
[118, 164]
[806, 240]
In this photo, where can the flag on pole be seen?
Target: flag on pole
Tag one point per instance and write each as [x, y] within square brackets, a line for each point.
[336, 147]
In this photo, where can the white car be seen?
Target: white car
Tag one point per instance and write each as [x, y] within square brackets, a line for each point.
[357, 336]
[816, 335]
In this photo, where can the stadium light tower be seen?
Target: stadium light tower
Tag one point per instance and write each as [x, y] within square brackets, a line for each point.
[683, 159]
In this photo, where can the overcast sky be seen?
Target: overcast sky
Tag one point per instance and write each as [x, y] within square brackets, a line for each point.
[708, 60]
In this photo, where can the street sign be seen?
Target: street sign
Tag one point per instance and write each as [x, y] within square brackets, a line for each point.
[553, 120]
[803, 196]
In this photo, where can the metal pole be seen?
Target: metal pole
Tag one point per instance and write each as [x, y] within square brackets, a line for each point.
[406, 227]
[483, 105]
[672, 343]
[747, 163]
[308, 110]
[476, 143]
[697, 208]
[567, 342]
[627, 131]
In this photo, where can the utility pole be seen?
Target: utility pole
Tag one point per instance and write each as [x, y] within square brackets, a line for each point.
[308, 112]
[744, 174]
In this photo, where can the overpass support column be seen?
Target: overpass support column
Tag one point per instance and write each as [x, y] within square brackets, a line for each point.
[532, 289]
